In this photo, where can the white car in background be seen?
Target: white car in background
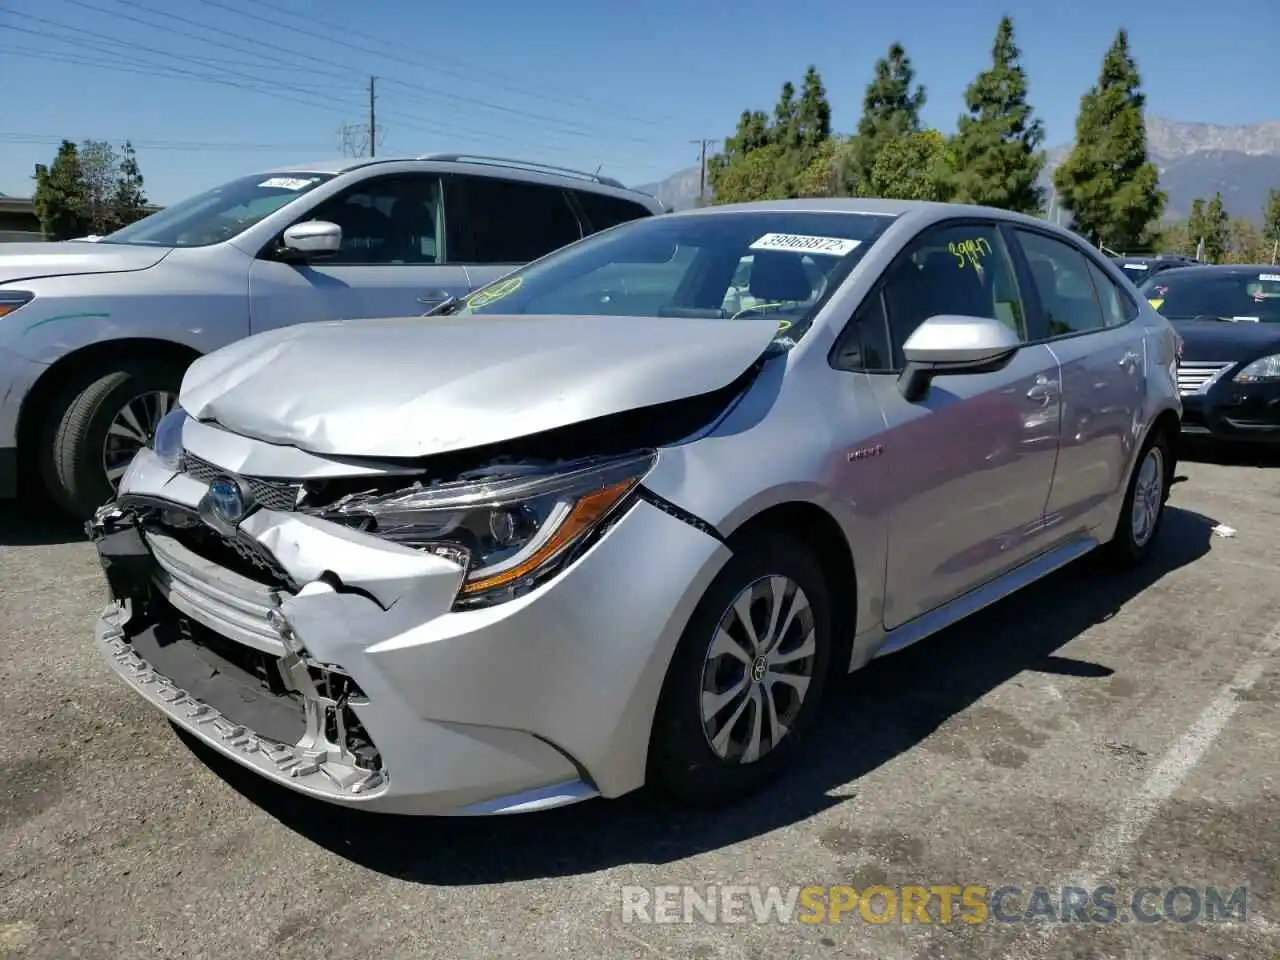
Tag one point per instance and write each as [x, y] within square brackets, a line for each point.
[96, 334]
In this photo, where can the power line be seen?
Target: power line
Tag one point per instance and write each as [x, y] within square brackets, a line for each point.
[466, 71]
[187, 146]
[278, 50]
[43, 56]
[263, 85]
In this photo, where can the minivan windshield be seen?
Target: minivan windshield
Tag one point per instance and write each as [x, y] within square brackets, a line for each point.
[706, 265]
[1243, 296]
[219, 214]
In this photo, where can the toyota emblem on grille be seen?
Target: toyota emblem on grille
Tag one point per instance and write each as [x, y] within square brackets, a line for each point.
[224, 505]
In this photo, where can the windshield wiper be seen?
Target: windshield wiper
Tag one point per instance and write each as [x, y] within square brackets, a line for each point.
[1202, 316]
[445, 307]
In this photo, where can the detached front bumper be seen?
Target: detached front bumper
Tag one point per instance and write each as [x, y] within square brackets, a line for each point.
[387, 699]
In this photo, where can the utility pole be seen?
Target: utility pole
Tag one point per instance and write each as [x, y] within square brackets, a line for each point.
[702, 177]
[373, 118]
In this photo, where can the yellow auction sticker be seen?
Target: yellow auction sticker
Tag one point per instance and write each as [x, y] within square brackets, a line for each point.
[1156, 303]
[503, 288]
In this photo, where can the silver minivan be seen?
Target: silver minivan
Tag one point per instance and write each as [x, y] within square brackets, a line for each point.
[95, 337]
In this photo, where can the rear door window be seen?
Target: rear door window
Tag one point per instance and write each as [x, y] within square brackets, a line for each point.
[1061, 276]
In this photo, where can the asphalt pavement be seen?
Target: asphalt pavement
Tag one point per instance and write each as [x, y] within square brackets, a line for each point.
[1097, 730]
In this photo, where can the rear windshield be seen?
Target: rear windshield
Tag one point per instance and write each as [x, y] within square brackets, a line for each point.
[1209, 295]
[221, 213]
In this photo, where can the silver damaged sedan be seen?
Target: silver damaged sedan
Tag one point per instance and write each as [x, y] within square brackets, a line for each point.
[619, 517]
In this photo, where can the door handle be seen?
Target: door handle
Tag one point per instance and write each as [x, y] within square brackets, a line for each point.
[1044, 390]
[431, 299]
[1130, 360]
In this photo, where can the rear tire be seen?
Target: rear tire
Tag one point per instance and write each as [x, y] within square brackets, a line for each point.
[78, 463]
[692, 759]
[1143, 510]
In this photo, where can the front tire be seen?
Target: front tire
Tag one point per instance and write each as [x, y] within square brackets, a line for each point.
[1144, 501]
[96, 425]
[746, 681]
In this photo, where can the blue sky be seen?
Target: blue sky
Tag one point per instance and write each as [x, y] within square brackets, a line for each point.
[560, 81]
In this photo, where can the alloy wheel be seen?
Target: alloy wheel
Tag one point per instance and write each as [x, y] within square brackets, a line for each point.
[1148, 495]
[131, 429]
[758, 669]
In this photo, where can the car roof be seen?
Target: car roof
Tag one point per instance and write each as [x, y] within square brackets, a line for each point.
[1207, 270]
[921, 212]
[496, 166]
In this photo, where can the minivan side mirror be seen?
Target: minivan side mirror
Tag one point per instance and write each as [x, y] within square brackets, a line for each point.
[946, 345]
[311, 239]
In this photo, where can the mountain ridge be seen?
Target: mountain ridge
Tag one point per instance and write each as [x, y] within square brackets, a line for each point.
[1195, 159]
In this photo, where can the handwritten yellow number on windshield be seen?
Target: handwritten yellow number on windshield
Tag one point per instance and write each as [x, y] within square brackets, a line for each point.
[499, 290]
[970, 252]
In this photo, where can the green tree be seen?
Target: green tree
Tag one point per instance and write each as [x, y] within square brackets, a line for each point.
[129, 199]
[60, 198]
[1108, 184]
[813, 115]
[759, 175]
[1271, 224]
[819, 178]
[1246, 243]
[1196, 227]
[997, 146]
[1217, 227]
[785, 132]
[788, 156]
[912, 167]
[890, 109]
[99, 169]
[754, 132]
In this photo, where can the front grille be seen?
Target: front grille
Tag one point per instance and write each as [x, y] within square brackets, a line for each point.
[269, 493]
[1195, 376]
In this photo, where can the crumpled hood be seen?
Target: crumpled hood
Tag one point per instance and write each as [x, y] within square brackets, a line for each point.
[30, 261]
[417, 386]
[1222, 342]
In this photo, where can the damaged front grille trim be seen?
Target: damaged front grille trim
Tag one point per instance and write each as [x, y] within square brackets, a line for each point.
[315, 763]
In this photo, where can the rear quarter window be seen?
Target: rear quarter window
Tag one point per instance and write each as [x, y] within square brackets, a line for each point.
[604, 211]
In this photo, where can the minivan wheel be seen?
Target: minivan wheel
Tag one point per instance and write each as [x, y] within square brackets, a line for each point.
[97, 424]
[747, 677]
[1144, 501]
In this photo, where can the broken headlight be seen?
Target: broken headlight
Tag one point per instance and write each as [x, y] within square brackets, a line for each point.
[510, 531]
[167, 442]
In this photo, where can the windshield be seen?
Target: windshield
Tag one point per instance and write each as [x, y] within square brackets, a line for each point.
[700, 266]
[219, 214]
[1209, 295]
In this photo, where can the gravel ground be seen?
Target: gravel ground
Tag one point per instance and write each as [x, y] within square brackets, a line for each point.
[1096, 730]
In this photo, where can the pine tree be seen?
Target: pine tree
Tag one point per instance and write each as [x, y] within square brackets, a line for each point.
[1271, 224]
[1107, 183]
[785, 132]
[790, 156]
[813, 116]
[1196, 227]
[997, 146]
[60, 199]
[890, 109]
[129, 201]
[1217, 235]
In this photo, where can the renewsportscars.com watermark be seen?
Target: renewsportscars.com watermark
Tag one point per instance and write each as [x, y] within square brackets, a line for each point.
[936, 904]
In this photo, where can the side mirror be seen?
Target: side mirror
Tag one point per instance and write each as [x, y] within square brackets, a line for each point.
[312, 238]
[945, 345]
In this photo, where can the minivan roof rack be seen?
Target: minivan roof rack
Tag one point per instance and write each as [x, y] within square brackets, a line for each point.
[523, 164]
